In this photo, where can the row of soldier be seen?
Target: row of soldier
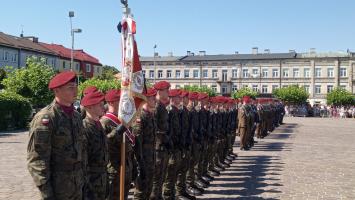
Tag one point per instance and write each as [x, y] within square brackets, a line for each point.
[182, 140]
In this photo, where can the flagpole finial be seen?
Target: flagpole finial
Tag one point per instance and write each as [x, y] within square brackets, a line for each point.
[125, 2]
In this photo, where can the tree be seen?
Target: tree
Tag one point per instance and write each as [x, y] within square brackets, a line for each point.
[2, 77]
[108, 72]
[293, 94]
[205, 89]
[245, 91]
[340, 96]
[31, 81]
[102, 85]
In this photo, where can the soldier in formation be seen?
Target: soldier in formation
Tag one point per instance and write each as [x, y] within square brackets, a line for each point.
[182, 141]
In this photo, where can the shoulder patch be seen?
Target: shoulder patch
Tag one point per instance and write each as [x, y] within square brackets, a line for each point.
[45, 120]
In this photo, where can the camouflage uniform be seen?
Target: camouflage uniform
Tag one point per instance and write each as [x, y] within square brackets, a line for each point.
[144, 130]
[162, 146]
[55, 153]
[243, 125]
[175, 154]
[97, 160]
[114, 148]
[213, 139]
[204, 126]
[234, 122]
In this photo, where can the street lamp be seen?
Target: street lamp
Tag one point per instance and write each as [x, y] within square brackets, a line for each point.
[72, 32]
[155, 46]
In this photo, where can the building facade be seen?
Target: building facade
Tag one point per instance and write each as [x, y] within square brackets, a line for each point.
[318, 73]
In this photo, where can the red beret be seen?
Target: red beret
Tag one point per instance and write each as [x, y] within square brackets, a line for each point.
[92, 99]
[150, 92]
[246, 99]
[184, 93]
[89, 89]
[113, 95]
[202, 96]
[211, 99]
[231, 101]
[193, 95]
[61, 79]
[161, 85]
[236, 100]
[174, 92]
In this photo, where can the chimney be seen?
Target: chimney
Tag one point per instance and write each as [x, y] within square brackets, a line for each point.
[255, 50]
[156, 54]
[292, 51]
[202, 53]
[192, 54]
[170, 54]
[32, 38]
[312, 50]
[267, 51]
[188, 53]
[236, 52]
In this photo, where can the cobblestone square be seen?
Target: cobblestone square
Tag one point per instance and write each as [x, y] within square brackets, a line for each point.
[306, 158]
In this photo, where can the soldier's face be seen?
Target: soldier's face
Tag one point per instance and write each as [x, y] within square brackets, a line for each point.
[67, 92]
[113, 106]
[163, 96]
[185, 101]
[175, 101]
[151, 101]
[96, 110]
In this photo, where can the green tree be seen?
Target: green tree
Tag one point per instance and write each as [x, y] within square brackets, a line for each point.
[108, 72]
[245, 91]
[2, 77]
[293, 94]
[340, 96]
[31, 81]
[102, 85]
[195, 88]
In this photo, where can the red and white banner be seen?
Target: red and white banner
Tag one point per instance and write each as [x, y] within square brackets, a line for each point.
[132, 83]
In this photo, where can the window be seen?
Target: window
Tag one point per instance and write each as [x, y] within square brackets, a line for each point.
[224, 75]
[329, 88]
[143, 72]
[245, 73]
[245, 86]
[274, 87]
[177, 87]
[306, 72]
[214, 73]
[306, 88]
[317, 89]
[168, 73]
[151, 73]
[6, 56]
[205, 73]
[285, 73]
[296, 72]
[234, 73]
[264, 89]
[275, 73]
[186, 73]
[177, 74]
[214, 88]
[160, 73]
[255, 88]
[234, 88]
[255, 72]
[265, 73]
[77, 67]
[342, 72]
[318, 72]
[330, 72]
[53, 62]
[98, 69]
[285, 86]
[343, 87]
[196, 73]
[14, 58]
[224, 89]
[88, 68]
[63, 64]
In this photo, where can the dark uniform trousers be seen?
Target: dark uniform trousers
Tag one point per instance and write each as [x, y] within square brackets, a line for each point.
[182, 172]
[173, 168]
[195, 156]
[161, 164]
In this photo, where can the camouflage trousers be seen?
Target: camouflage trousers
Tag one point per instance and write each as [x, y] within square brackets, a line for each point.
[213, 153]
[66, 185]
[144, 186]
[181, 178]
[222, 147]
[171, 175]
[161, 164]
[243, 134]
[114, 181]
[233, 136]
[205, 152]
[97, 184]
[193, 164]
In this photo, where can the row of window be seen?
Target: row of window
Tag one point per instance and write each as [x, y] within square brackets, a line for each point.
[8, 57]
[77, 67]
[245, 73]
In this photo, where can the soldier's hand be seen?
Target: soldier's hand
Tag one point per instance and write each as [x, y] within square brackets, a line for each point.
[120, 130]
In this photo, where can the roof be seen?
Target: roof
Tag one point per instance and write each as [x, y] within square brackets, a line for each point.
[23, 43]
[64, 52]
[222, 57]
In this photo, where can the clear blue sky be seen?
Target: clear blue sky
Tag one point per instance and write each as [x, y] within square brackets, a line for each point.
[218, 27]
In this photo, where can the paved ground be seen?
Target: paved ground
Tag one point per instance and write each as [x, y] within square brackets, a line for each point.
[307, 158]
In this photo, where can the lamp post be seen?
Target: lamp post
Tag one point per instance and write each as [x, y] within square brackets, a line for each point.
[155, 46]
[72, 32]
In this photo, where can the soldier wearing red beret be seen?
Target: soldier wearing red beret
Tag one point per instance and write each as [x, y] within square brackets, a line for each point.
[244, 126]
[97, 149]
[57, 144]
[163, 141]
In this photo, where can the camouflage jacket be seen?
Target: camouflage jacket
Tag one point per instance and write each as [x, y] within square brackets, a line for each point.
[161, 117]
[175, 127]
[186, 137]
